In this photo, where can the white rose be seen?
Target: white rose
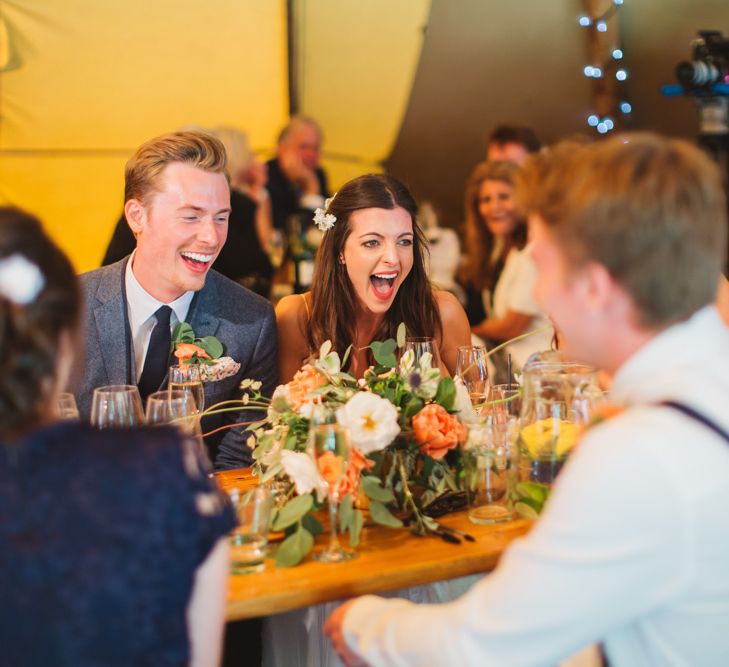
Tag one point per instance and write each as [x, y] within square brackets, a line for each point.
[371, 420]
[304, 473]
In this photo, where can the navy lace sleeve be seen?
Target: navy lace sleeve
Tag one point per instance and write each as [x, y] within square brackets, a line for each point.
[100, 537]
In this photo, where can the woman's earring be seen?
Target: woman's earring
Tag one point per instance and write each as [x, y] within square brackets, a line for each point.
[341, 259]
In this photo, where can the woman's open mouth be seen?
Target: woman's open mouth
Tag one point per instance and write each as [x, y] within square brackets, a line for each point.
[383, 285]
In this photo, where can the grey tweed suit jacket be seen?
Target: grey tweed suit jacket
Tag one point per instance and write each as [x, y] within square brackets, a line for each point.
[242, 321]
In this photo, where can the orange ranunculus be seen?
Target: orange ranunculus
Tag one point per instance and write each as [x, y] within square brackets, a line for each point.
[330, 466]
[184, 351]
[357, 463]
[436, 431]
[305, 381]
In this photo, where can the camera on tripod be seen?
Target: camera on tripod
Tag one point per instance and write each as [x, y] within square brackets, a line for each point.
[709, 64]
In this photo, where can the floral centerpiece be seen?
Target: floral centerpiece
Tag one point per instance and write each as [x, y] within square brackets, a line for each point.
[407, 426]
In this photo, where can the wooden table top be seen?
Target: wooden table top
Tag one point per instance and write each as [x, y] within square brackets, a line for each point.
[387, 559]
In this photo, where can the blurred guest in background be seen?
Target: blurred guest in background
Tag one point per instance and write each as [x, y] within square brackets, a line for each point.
[113, 547]
[498, 272]
[513, 143]
[296, 182]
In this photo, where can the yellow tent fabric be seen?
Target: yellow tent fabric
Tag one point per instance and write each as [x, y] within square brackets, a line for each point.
[356, 64]
[84, 82]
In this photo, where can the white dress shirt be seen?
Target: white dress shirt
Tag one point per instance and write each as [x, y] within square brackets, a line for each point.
[142, 306]
[515, 291]
[632, 548]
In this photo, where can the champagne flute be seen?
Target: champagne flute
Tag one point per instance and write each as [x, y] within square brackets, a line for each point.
[422, 346]
[472, 368]
[116, 406]
[332, 448]
[186, 377]
[66, 408]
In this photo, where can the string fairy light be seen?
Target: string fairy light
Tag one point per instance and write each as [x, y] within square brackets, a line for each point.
[608, 74]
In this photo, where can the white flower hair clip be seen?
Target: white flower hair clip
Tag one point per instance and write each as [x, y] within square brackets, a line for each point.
[20, 280]
[323, 220]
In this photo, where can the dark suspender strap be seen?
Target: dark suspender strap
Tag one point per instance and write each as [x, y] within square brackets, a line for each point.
[702, 419]
[697, 416]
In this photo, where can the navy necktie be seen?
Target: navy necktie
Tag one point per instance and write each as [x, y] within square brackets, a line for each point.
[157, 359]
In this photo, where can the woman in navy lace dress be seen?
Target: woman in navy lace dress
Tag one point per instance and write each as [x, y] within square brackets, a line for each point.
[113, 546]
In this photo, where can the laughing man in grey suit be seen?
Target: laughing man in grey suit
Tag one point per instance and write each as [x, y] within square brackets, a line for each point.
[177, 203]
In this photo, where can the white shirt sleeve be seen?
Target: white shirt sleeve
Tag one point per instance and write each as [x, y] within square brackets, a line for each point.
[520, 295]
[610, 546]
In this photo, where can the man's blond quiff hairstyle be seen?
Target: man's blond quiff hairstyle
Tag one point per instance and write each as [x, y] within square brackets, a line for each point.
[650, 209]
[193, 147]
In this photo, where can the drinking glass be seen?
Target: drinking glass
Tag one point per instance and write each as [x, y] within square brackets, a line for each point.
[66, 408]
[421, 347]
[249, 538]
[471, 367]
[488, 456]
[172, 406]
[331, 448]
[557, 403]
[504, 403]
[116, 406]
[186, 377]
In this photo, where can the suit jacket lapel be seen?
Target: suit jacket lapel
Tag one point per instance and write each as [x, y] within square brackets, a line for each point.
[200, 315]
[112, 327]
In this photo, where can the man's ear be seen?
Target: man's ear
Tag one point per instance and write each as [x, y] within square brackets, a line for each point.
[136, 215]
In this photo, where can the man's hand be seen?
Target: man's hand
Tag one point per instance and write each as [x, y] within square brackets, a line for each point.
[333, 628]
[297, 172]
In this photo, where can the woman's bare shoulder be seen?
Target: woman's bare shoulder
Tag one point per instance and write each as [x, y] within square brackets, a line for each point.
[449, 307]
[291, 310]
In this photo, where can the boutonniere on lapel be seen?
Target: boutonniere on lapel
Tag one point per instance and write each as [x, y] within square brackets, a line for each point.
[205, 352]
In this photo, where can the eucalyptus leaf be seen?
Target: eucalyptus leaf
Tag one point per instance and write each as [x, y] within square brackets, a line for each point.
[380, 514]
[212, 346]
[355, 528]
[446, 394]
[292, 511]
[384, 352]
[347, 352]
[293, 549]
[375, 491]
[311, 523]
[413, 406]
[401, 335]
[346, 510]
[271, 473]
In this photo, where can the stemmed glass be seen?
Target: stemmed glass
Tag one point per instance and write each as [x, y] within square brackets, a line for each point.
[472, 368]
[421, 346]
[186, 377]
[116, 406]
[171, 406]
[331, 448]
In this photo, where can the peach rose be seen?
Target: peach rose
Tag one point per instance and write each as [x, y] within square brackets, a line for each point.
[305, 381]
[357, 463]
[436, 431]
[185, 351]
[330, 466]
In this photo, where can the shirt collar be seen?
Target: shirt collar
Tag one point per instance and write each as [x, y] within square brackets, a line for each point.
[656, 371]
[143, 305]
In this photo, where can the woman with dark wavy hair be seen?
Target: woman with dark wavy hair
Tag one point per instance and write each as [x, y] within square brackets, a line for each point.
[113, 544]
[369, 277]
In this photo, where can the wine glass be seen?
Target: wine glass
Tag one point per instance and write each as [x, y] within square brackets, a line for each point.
[472, 368]
[331, 448]
[175, 407]
[116, 406]
[421, 346]
[66, 408]
[504, 403]
[187, 378]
